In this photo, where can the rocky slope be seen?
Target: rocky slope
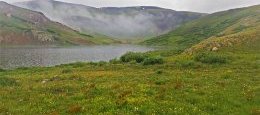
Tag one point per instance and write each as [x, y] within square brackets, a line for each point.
[20, 26]
[123, 23]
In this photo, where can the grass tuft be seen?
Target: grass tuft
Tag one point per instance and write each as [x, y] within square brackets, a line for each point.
[211, 58]
[6, 81]
[66, 71]
[153, 61]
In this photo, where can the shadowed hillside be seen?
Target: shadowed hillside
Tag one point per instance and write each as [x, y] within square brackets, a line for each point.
[24, 27]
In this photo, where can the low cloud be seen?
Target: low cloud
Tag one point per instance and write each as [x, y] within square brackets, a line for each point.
[207, 6]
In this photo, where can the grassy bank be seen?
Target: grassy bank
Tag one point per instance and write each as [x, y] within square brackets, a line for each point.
[182, 84]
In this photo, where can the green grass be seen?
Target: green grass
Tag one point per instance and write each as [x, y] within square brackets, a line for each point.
[4, 81]
[181, 85]
[168, 81]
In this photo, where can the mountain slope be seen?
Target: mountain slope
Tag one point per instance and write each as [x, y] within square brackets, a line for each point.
[218, 82]
[123, 23]
[223, 26]
[24, 27]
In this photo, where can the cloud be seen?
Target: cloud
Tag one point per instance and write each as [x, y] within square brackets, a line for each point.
[208, 6]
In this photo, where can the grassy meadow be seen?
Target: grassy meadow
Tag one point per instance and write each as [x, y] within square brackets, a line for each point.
[209, 66]
[222, 82]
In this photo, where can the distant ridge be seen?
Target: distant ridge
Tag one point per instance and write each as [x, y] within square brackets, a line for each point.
[118, 22]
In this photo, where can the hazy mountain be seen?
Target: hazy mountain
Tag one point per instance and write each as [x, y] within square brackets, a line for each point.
[20, 26]
[125, 22]
[221, 29]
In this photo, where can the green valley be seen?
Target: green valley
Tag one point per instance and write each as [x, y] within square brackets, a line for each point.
[206, 66]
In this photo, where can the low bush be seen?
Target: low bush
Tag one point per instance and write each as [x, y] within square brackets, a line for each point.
[140, 58]
[210, 58]
[114, 61]
[101, 63]
[73, 65]
[78, 64]
[159, 72]
[153, 61]
[132, 56]
[2, 70]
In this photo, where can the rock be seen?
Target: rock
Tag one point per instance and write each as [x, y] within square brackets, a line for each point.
[230, 44]
[20, 100]
[214, 49]
[8, 15]
[45, 81]
[218, 45]
[1, 39]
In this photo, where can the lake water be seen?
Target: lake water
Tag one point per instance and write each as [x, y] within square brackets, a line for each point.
[50, 56]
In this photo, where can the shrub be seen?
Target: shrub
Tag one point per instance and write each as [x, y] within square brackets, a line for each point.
[78, 64]
[2, 70]
[210, 58]
[74, 65]
[114, 61]
[101, 63]
[131, 56]
[153, 61]
[159, 72]
[93, 63]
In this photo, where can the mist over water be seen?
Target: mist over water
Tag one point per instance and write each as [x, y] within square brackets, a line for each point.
[28, 57]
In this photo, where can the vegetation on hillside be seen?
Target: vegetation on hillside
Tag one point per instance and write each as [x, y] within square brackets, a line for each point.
[24, 27]
[222, 81]
[221, 24]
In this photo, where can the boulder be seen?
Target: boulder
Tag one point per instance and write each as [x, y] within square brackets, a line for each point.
[214, 49]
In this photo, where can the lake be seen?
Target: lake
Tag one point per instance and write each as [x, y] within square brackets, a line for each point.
[14, 57]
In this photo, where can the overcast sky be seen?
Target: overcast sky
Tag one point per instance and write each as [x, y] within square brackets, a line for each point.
[207, 6]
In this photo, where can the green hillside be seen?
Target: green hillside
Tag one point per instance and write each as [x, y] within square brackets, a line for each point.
[214, 25]
[24, 27]
[200, 80]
